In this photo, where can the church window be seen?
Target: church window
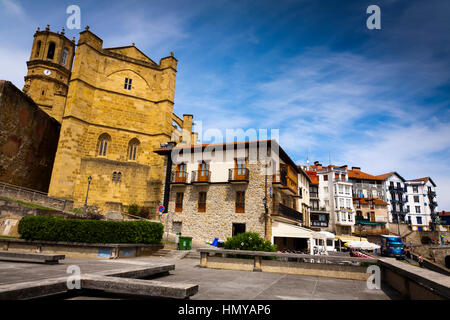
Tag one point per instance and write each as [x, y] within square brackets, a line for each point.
[64, 56]
[51, 51]
[38, 48]
[103, 142]
[132, 149]
[128, 84]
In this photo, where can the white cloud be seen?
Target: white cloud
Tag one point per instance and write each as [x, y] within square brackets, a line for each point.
[13, 8]
[13, 65]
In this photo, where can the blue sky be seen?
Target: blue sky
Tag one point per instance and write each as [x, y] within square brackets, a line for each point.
[378, 99]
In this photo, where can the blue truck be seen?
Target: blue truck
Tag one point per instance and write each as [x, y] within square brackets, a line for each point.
[392, 246]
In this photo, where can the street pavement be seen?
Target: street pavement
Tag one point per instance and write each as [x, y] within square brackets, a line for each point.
[213, 284]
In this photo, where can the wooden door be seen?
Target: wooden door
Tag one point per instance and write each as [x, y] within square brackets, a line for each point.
[203, 171]
[240, 171]
[181, 173]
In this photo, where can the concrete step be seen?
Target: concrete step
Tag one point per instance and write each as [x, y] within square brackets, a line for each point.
[31, 257]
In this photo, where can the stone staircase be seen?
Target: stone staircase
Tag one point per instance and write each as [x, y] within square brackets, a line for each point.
[161, 252]
[177, 254]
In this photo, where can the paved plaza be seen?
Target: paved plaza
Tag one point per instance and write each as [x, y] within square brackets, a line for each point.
[213, 284]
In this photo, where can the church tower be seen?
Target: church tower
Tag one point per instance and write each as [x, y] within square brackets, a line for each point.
[49, 68]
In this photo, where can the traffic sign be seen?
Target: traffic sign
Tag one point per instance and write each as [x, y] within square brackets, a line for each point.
[161, 209]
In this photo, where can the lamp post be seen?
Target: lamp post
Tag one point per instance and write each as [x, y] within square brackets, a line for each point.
[169, 145]
[87, 193]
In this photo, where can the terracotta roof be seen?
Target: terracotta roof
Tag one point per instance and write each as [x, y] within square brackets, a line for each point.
[424, 180]
[368, 200]
[387, 175]
[352, 174]
[313, 176]
[444, 213]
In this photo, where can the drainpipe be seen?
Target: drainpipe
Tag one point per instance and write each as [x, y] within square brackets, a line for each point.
[169, 163]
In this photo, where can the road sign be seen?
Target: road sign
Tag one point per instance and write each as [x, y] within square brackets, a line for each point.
[161, 209]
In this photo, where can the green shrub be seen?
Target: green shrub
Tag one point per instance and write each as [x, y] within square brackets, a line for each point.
[144, 212]
[250, 241]
[133, 209]
[89, 231]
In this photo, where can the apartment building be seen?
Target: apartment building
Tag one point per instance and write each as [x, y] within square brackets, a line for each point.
[220, 190]
[368, 199]
[421, 205]
[319, 213]
[333, 208]
[395, 189]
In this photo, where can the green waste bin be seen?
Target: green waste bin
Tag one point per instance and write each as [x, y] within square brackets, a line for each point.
[185, 243]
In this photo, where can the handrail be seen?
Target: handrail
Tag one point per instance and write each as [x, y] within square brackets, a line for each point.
[285, 255]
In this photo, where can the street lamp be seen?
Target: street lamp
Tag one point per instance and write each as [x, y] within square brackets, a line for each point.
[87, 193]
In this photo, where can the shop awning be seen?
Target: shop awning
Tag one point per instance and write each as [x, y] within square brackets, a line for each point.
[349, 238]
[282, 229]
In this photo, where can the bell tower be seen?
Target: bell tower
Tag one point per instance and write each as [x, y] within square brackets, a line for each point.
[49, 69]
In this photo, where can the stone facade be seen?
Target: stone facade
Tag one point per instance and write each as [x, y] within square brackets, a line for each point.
[117, 109]
[28, 140]
[220, 213]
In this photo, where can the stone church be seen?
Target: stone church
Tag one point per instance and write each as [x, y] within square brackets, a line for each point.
[115, 106]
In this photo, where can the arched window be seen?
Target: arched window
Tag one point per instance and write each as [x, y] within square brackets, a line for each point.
[64, 56]
[102, 146]
[51, 51]
[133, 148]
[38, 48]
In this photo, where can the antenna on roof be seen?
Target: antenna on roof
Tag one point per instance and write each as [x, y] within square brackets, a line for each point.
[329, 158]
[307, 157]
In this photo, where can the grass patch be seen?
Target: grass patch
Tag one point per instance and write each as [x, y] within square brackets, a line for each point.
[8, 237]
[27, 204]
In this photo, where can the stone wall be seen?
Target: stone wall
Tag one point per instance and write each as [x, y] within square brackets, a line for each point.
[220, 213]
[28, 140]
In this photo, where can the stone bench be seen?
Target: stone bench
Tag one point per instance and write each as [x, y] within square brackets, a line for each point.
[31, 257]
[122, 282]
[258, 255]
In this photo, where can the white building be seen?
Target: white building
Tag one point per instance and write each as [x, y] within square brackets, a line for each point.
[420, 203]
[335, 195]
[395, 195]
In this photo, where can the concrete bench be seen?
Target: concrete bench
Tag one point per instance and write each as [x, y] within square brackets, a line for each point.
[138, 287]
[31, 257]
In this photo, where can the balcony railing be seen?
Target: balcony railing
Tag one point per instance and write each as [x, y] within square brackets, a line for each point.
[397, 189]
[180, 177]
[284, 211]
[318, 209]
[199, 176]
[313, 195]
[238, 175]
[285, 182]
[361, 219]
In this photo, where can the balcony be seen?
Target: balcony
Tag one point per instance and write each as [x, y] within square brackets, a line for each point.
[201, 177]
[318, 209]
[238, 175]
[286, 212]
[359, 219]
[285, 184]
[313, 195]
[179, 178]
[397, 189]
[320, 220]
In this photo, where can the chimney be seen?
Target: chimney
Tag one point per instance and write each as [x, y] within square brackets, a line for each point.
[356, 169]
[316, 163]
[345, 167]
[319, 166]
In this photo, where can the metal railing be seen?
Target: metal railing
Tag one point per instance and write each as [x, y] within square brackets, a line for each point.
[287, 212]
[201, 176]
[13, 192]
[238, 174]
[179, 177]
